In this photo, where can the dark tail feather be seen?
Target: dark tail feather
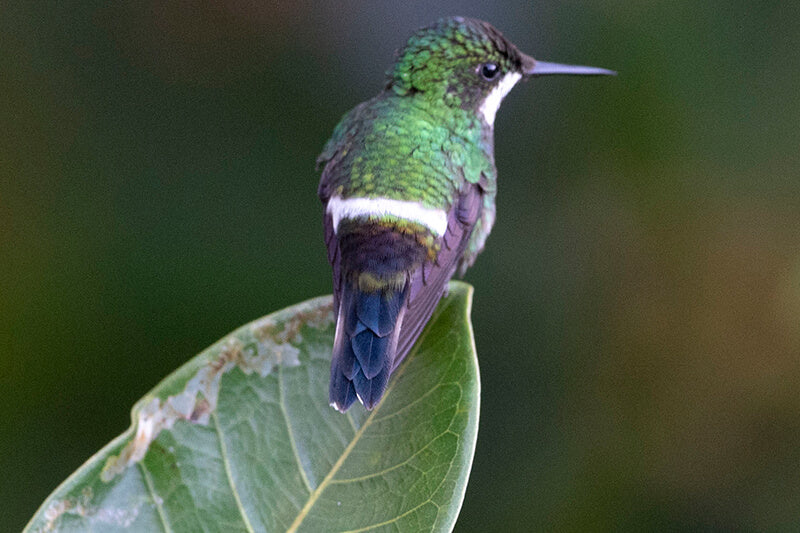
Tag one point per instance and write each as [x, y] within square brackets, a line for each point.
[365, 345]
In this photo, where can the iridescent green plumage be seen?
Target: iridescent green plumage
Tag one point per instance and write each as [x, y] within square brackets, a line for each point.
[422, 137]
[440, 61]
[408, 186]
[406, 148]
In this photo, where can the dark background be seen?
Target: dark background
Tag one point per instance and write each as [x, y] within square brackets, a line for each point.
[636, 310]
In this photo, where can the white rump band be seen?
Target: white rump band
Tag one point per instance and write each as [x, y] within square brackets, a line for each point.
[346, 208]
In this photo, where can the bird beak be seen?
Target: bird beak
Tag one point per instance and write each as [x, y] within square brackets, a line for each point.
[532, 67]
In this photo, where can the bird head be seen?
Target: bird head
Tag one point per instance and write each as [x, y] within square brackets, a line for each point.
[466, 63]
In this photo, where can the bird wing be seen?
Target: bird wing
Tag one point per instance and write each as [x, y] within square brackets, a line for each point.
[429, 283]
[333, 258]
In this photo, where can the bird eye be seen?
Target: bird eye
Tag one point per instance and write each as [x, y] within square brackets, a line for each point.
[489, 71]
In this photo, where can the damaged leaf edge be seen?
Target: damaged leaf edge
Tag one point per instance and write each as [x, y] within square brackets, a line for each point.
[254, 347]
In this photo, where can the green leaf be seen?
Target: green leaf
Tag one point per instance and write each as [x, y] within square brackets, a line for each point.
[241, 438]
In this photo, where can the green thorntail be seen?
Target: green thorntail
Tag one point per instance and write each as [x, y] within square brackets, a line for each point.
[408, 187]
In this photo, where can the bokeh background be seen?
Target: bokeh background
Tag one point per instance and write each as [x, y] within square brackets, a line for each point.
[637, 310]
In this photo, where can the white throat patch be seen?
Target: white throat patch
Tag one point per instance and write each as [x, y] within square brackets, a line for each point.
[344, 208]
[490, 106]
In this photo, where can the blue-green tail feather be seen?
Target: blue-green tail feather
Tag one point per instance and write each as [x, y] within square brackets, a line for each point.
[366, 344]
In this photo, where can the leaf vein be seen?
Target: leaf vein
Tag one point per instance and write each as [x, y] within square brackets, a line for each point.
[410, 404]
[223, 449]
[156, 500]
[295, 451]
[395, 466]
[352, 422]
[396, 518]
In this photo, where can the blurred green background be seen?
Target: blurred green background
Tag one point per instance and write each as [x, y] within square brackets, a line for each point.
[636, 310]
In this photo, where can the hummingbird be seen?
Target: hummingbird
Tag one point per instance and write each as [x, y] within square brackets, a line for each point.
[408, 190]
